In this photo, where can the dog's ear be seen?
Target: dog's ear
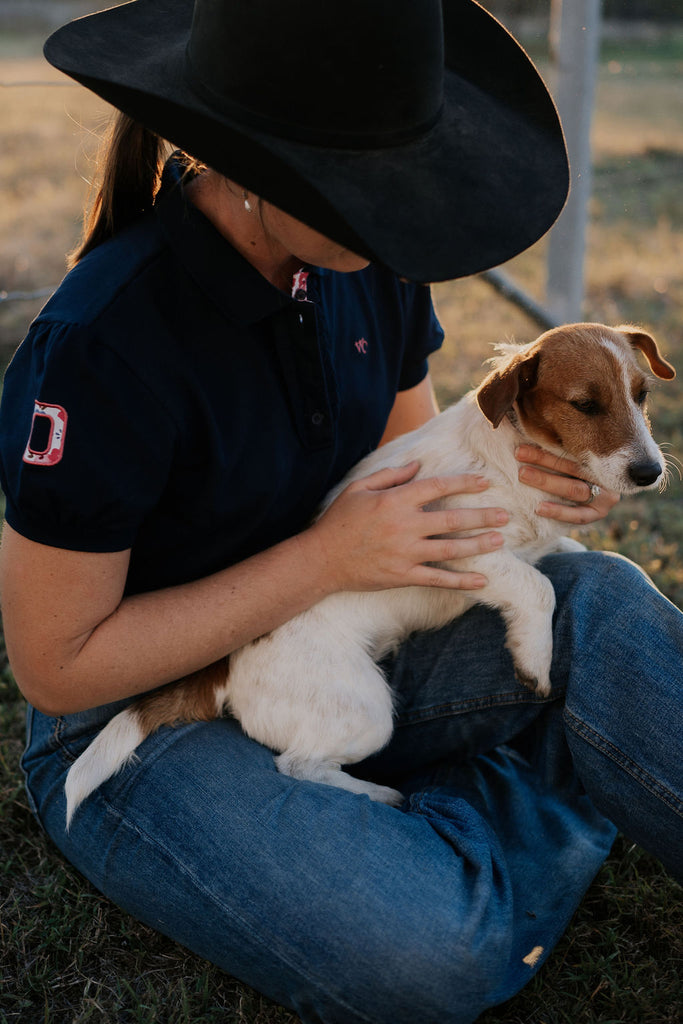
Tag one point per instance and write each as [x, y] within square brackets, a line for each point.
[500, 390]
[648, 346]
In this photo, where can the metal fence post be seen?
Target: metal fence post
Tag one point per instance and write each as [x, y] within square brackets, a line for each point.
[575, 31]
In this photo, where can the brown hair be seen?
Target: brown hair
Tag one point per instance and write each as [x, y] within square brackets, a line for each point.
[131, 160]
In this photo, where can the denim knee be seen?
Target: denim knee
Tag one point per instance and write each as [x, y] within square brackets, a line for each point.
[434, 974]
[601, 598]
[602, 578]
[619, 651]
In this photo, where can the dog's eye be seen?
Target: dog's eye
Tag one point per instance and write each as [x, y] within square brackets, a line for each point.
[641, 397]
[588, 406]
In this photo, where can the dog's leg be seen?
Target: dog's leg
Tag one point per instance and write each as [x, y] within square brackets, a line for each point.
[330, 774]
[568, 545]
[312, 693]
[526, 600]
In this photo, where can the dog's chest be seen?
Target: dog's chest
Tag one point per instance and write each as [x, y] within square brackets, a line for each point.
[531, 536]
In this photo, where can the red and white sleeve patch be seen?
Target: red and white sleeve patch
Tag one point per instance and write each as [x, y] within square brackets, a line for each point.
[48, 431]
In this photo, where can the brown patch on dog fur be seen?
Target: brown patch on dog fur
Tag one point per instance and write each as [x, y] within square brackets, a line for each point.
[660, 366]
[191, 699]
[576, 366]
[565, 364]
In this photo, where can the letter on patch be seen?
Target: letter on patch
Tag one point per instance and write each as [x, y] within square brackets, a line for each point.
[48, 429]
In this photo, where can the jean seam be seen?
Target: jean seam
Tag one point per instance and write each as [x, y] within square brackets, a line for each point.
[32, 801]
[227, 911]
[636, 771]
[464, 707]
[58, 743]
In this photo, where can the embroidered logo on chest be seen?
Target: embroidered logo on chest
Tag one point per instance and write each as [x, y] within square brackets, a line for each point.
[48, 430]
[361, 346]
[300, 286]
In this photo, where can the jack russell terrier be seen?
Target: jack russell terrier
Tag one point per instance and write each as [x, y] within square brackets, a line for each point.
[311, 690]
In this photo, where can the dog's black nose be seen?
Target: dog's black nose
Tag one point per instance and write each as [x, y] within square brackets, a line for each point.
[644, 473]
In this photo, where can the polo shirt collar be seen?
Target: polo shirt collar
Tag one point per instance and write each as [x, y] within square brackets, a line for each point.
[243, 295]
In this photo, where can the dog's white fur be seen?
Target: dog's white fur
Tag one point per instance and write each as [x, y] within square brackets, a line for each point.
[311, 690]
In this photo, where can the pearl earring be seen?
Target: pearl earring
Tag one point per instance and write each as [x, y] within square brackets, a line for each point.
[247, 204]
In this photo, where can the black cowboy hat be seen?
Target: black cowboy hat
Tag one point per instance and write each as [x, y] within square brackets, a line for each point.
[414, 132]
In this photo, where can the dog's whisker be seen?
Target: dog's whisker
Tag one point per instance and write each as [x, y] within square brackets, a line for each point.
[672, 459]
[670, 463]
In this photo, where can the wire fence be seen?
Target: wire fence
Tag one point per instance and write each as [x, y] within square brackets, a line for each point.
[20, 296]
[38, 82]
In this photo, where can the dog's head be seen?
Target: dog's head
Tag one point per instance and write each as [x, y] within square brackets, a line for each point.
[579, 391]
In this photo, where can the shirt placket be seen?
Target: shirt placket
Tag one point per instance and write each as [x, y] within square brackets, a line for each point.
[305, 359]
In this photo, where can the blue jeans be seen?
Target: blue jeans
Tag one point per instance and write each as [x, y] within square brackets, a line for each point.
[350, 911]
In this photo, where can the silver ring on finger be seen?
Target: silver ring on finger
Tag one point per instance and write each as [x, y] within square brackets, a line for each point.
[595, 491]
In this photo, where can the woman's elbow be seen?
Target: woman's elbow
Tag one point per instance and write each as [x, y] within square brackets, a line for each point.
[40, 696]
[49, 691]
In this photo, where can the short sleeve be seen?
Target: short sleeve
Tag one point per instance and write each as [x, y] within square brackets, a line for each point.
[424, 334]
[85, 446]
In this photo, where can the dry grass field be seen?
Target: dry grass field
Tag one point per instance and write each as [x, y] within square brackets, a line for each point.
[66, 955]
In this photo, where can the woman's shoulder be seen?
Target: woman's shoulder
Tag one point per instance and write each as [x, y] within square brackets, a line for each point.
[104, 276]
[105, 326]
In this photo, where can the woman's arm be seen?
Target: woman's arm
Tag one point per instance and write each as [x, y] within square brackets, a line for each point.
[75, 642]
[411, 409]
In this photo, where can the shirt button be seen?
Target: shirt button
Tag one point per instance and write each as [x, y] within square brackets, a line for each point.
[317, 418]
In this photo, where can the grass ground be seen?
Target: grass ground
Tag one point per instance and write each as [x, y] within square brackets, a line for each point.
[66, 955]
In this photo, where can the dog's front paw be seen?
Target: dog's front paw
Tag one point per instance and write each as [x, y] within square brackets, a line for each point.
[532, 657]
[541, 686]
[383, 794]
[568, 545]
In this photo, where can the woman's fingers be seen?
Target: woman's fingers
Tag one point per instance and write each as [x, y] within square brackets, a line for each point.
[559, 476]
[452, 549]
[460, 520]
[437, 530]
[555, 463]
[568, 487]
[432, 488]
[433, 576]
[381, 530]
[423, 491]
[391, 476]
[580, 515]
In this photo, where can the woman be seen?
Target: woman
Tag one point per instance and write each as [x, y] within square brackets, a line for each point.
[230, 341]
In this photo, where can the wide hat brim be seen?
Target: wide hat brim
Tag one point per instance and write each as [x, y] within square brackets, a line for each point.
[480, 185]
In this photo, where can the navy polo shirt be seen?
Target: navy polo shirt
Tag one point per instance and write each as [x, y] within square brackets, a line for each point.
[170, 400]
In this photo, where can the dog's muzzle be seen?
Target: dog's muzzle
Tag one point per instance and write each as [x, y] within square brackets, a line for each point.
[644, 473]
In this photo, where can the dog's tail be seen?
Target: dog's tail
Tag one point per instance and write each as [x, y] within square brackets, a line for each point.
[197, 697]
[110, 751]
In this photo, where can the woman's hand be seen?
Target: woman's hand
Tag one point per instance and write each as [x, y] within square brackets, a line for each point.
[560, 476]
[377, 534]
